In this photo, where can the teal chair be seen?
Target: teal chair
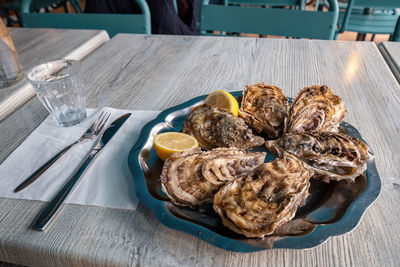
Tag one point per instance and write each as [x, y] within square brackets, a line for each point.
[265, 2]
[369, 16]
[112, 23]
[291, 3]
[269, 21]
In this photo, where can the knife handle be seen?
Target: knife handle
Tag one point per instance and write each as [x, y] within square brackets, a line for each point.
[41, 170]
[45, 217]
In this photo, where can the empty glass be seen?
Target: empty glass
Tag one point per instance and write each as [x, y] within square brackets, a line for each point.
[59, 86]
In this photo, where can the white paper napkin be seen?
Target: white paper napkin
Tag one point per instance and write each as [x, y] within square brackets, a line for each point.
[107, 183]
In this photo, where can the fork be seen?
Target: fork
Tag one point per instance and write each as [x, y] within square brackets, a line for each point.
[90, 134]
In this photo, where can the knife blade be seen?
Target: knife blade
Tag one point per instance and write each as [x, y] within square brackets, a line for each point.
[46, 216]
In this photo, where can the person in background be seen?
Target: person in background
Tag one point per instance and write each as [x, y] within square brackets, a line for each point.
[164, 19]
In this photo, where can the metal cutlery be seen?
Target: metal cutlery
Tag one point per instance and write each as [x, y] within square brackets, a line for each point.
[90, 134]
[45, 217]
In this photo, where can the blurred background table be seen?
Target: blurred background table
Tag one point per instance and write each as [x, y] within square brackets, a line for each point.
[391, 52]
[157, 72]
[35, 46]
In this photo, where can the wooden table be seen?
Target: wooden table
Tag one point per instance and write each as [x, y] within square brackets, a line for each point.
[391, 53]
[157, 72]
[35, 46]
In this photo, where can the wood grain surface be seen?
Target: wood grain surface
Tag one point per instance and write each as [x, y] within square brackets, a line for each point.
[157, 72]
[391, 53]
[36, 46]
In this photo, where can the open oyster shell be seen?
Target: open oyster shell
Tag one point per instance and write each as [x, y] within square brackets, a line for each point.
[255, 205]
[332, 156]
[216, 128]
[265, 108]
[192, 177]
[315, 108]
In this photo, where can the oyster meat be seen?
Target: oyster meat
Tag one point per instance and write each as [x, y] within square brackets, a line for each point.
[315, 108]
[216, 128]
[192, 177]
[332, 156]
[255, 205]
[265, 108]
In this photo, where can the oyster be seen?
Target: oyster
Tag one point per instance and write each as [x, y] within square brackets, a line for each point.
[264, 107]
[192, 177]
[332, 156]
[315, 108]
[255, 205]
[216, 128]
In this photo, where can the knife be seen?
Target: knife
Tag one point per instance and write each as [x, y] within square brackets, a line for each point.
[45, 217]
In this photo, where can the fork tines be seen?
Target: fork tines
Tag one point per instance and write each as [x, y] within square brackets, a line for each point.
[98, 125]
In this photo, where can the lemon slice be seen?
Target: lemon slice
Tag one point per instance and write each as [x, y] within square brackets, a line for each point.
[168, 143]
[223, 100]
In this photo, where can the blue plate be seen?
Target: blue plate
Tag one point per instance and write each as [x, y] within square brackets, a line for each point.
[331, 209]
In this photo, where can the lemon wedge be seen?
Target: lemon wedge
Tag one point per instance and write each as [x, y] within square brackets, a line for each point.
[165, 144]
[223, 100]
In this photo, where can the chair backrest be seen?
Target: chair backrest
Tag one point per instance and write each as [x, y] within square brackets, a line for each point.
[369, 16]
[269, 21]
[265, 2]
[384, 4]
[112, 23]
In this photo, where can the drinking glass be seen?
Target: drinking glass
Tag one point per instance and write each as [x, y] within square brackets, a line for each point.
[59, 86]
[10, 67]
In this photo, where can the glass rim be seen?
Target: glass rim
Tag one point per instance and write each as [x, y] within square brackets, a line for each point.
[78, 62]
